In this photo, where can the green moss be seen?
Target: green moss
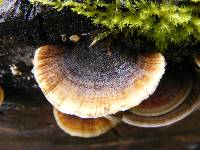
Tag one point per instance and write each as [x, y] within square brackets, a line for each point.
[1, 3]
[163, 23]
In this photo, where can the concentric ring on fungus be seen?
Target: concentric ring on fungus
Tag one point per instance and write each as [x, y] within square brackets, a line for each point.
[172, 90]
[85, 127]
[88, 83]
[179, 112]
[1, 95]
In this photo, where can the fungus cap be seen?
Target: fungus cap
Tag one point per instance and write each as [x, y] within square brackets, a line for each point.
[181, 111]
[84, 127]
[86, 82]
[172, 90]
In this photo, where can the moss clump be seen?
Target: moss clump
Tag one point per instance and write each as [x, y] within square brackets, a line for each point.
[1, 3]
[163, 23]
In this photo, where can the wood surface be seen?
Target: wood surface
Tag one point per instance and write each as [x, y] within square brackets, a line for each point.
[32, 127]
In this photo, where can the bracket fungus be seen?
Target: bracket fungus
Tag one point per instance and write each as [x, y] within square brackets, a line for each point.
[86, 82]
[85, 127]
[170, 103]
[1, 95]
[170, 93]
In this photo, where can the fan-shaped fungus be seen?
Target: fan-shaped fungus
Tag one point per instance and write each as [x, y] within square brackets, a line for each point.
[85, 127]
[86, 82]
[169, 104]
[170, 93]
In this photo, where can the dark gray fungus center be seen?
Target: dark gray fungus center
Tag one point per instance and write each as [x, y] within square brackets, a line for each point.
[93, 68]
